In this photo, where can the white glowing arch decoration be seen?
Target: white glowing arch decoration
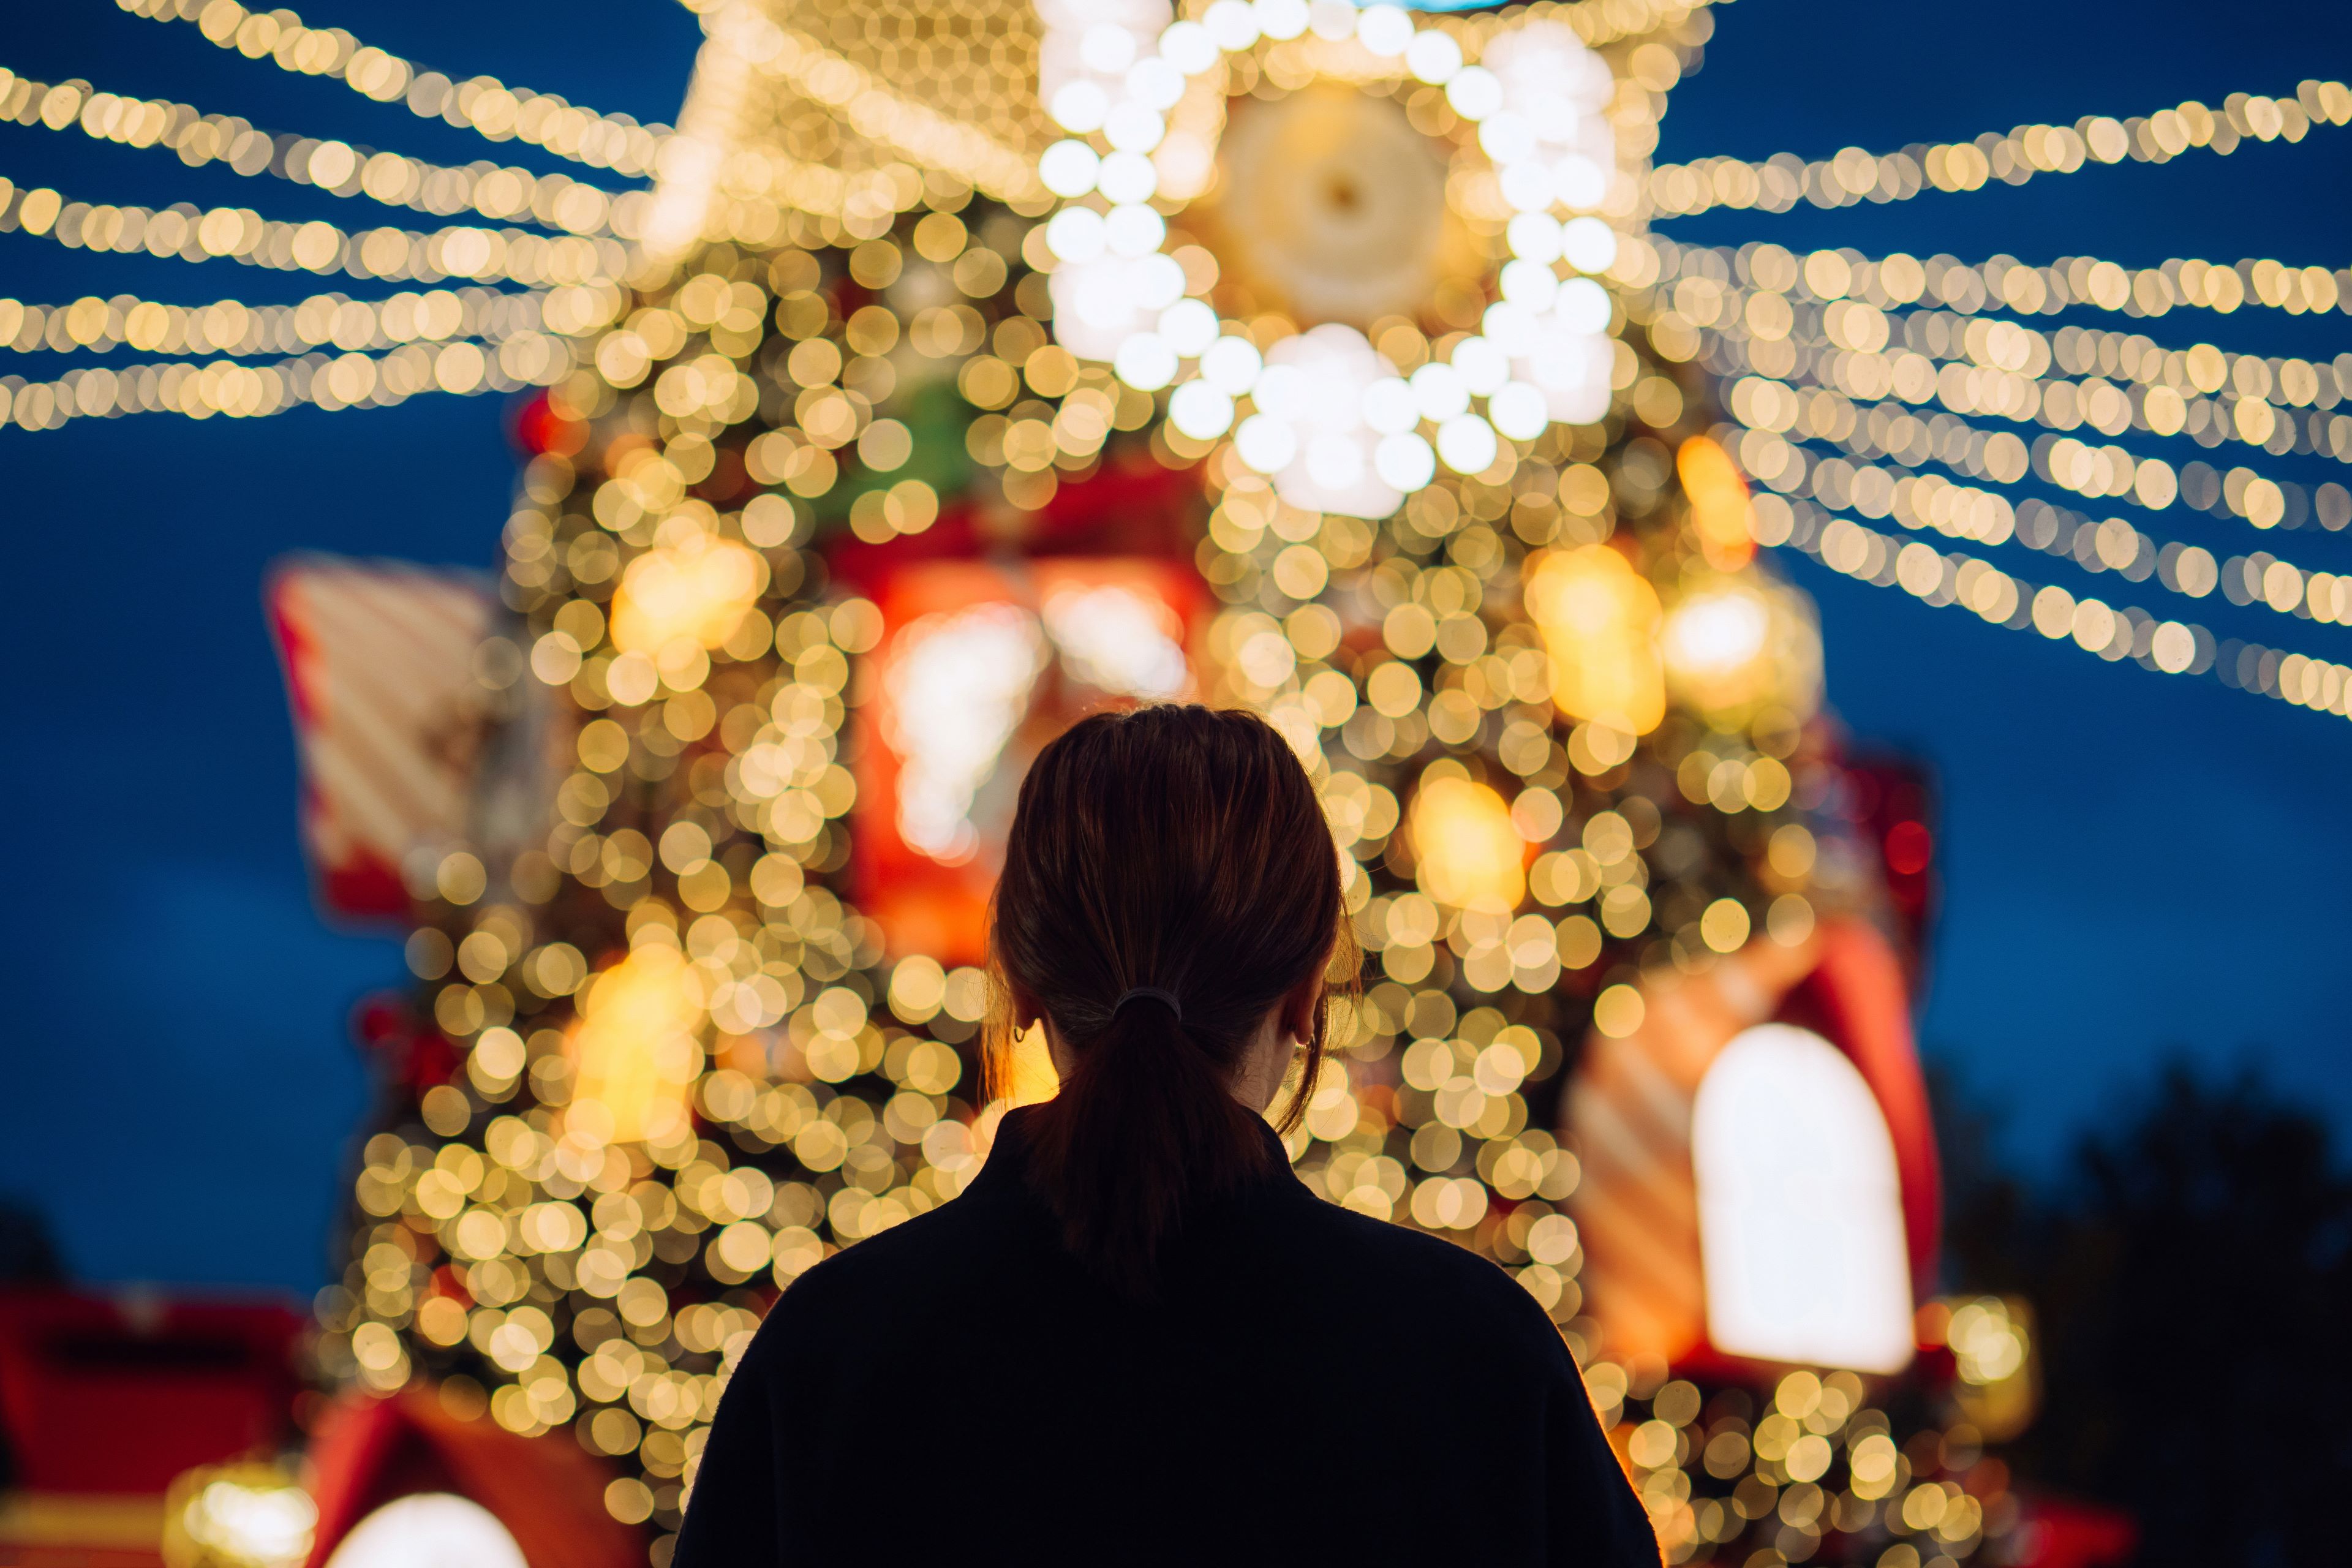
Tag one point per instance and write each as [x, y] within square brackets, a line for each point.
[428, 1530]
[1114, 74]
[1801, 1210]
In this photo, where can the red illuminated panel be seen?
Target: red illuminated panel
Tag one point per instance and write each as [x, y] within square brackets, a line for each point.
[979, 667]
[121, 1396]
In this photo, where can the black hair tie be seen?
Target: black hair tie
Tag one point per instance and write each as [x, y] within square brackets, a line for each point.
[1149, 993]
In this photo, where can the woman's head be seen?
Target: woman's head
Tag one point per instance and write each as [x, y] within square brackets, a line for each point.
[1174, 849]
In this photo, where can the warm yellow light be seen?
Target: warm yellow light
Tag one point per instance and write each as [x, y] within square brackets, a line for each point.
[1717, 644]
[250, 1514]
[1599, 621]
[1718, 499]
[633, 1051]
[1991, 1339]
[1464, 848]
[1733, 644]
[695, 591]
[1029, 1075]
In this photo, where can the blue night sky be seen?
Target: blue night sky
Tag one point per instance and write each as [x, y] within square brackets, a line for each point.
[2135, 866]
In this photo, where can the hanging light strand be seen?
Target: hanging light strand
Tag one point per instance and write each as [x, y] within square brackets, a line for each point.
[2099, 472]
[1846, 353]
[1771, 407]
[1956, 378]
[2006, 284]
[2083, 464]
[2009, 371]
[1864, 351]
[1778, 182]
[1862, 301]
[339, 168]
[194, 233]
[1924, 502]
[482, 104]
[1943, 580]
[238, 327]
[2257, 578]
[466, 366]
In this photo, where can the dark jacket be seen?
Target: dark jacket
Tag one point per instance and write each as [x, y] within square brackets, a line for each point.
[1310, 1386]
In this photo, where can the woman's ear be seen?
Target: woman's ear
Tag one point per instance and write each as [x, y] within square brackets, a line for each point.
[1298, 1020]
[1025, 1010]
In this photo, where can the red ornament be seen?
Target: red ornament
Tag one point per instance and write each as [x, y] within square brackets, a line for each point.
[537, 427]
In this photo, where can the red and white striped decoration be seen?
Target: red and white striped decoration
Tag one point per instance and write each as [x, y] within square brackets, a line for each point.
[379, 659]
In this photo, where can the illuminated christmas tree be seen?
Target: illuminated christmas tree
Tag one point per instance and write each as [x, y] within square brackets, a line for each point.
[987, 364]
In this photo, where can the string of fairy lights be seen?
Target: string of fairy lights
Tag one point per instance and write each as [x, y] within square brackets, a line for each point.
[188, 233]
[495, 362]
[494, 193]
[339, 168]
[2110, 544]
[482, 104]
[2010, 371]
[427, 342]
[1940, 578]
[231, 327]
[692, 1065]
[1778, 183]
[2087, 281]
[1850, 361]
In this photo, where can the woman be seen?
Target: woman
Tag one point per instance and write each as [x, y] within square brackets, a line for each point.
[1138, 1337]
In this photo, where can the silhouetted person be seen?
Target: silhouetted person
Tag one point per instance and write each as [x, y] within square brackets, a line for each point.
[1138, 1338]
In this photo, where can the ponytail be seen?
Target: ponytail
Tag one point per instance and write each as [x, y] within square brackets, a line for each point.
[1169, 882]
[1144, 1124]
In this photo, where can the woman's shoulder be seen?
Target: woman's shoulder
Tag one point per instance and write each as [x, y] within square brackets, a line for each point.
[849, 1292]
[922, 1242]
[1413, 1267]
[981, 1246]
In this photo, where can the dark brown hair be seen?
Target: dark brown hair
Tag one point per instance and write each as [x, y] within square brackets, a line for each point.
[1179, 849]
